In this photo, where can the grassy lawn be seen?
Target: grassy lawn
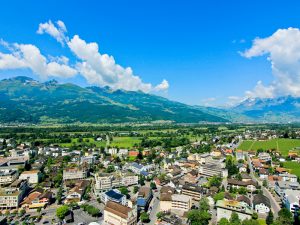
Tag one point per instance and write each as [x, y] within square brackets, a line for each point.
[84, 140]
[125, 142]
[283, 145]
[262, 221]
[294, 166]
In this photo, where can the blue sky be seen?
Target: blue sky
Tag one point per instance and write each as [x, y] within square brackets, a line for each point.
[193, 45]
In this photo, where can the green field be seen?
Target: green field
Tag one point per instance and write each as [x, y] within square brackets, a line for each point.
[282, 145]
[294, 166]
[125, 142]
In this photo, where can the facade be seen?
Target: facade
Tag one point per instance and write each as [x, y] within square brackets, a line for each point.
[226, 207]
[7, 176]
[117, 214]
[75, 173]
[291, 200]
[250, 185]
[105, 181]
[11, 197]
[261, 204]
[33, 176]
[213, 168]
[194, 191]
[180, 204]
[113, 195]
[281, 186]
[144, 198]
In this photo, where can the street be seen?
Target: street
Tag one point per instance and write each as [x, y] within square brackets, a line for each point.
[275, 206]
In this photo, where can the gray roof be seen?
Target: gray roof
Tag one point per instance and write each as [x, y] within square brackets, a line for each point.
[260, 198]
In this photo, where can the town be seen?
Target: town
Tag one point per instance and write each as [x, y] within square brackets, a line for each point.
[243, 174]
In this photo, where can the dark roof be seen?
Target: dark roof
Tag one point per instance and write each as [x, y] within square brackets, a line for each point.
[228, 196]
[113, 194]
[245, 176]
[243, 198]
[193, 188]
[260, 198]
[241, 183]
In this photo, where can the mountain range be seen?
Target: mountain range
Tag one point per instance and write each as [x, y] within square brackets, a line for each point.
[25, 100]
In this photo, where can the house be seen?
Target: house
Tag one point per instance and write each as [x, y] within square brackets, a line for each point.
[144, 198]
[244, 199]
[11, 196]
[33, 176]
[291, 200]
[264, 156]
[133, 153]
[226, 207]
[113, 195]
[194, 191]
[76, 193]
[118, 214]
[249, 185]
[75, 173]
[263, 173]
[261, 204]
[37, 198]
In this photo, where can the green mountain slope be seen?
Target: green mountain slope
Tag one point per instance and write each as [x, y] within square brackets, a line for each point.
[23, 99]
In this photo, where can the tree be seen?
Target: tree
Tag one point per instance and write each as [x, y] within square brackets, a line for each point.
[62, 211]
[215, 181]
[144, 217]
[124, 190]
[198, 217]
[265, 183]
[159, 215]
[153, 185]
[135, 189]
[110, 169]
[270, 218]
[219, 196]
[234, 219]
[255, 216]
[203, 204]
[284, 217]
[224, 221]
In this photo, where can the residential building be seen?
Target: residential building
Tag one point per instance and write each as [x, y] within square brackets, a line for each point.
[281, 186]
[107, 181]
[11, 196]
[144, 198]
[37, 198]
[165, 202]
[213, 168]
[261, 204]
[264, 156]
[118, 214]
[33, 176]
[7, 176]
[194, 191]
[180, 204]
[226, 207]
[113, 195]
[75, 173]
[76, 193]
[250, 185]
[288, 177]
[291, 200]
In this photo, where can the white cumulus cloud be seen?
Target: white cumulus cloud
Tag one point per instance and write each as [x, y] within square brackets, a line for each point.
[58, 32]
[28, 56]
[283, 51]
[163, 86]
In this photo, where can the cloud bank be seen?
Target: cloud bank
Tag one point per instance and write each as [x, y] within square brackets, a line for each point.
[97, 68]
[283, 51]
